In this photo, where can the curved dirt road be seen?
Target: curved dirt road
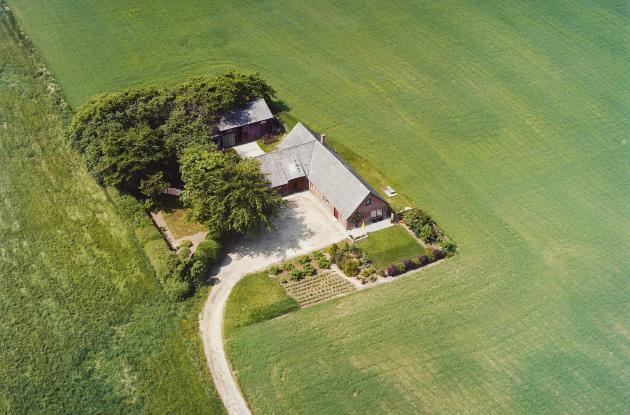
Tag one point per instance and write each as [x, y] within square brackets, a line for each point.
[302, 227]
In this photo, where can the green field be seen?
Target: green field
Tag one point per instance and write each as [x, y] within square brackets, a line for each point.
[85, 328]
[390, 245]
[506, 120]
[257, 297]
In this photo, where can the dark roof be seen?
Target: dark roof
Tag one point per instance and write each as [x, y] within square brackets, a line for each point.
[255, 111]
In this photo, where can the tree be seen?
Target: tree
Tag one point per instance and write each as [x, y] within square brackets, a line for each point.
[128, 158]
[127, 138]
[225, 193]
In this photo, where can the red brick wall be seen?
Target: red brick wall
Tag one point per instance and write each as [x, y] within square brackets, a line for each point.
[366, 210]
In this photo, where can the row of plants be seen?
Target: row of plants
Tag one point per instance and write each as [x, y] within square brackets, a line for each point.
[301, 267]
[425, 228]
[312, 290]
[181, 273]
[409, 264]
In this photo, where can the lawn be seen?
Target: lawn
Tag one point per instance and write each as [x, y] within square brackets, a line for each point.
[85, 327]
[506, 120]
[257, 297]
[174, 215]
[390, 245]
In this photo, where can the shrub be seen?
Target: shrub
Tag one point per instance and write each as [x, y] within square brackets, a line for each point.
[392, 271]
[416, 219]
[344, 246]
[423, 260]
[274, 270]
[186, 244]
[427, 233]
[305, 259]
[296, 274]
[208, 252]
[373, 277]
[365, 259]
[350, 267]
[446, 245]
[318, 255]
[356, 218]
[309, 270]
[437, 254]
[355, 249]
[333, 248]
[337, 257]
[288, 266]
[400, 268]
[175, 289]
[408, 264]
[430, 256]
[184, 252]
[197, 274]
[324, 263]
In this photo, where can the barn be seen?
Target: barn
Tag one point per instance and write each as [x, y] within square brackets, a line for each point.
[303, 161]
[243, 125]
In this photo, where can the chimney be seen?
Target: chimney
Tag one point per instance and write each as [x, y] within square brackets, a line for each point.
[322, 138]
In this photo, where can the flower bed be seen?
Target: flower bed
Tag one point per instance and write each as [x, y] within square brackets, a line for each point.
[409, 264]
[301, 267]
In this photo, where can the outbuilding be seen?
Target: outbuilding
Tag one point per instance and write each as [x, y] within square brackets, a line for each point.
[304, 161]
[244, 125]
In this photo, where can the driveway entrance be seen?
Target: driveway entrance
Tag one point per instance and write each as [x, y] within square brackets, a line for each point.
[301, 227]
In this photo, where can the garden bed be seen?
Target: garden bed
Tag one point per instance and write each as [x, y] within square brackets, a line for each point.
[321, 287]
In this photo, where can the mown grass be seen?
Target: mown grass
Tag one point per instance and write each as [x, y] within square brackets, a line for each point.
[506, 120]
[85, 327]
[390, 245]
[174, 215]
[256, 297]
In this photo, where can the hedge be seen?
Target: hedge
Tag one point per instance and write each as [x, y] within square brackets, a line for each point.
[179, 275]
[414, 263]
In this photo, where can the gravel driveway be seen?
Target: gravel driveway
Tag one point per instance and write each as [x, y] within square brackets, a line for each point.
[302, 227]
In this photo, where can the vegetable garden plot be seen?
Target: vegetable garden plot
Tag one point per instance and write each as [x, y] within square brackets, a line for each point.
[319, 288]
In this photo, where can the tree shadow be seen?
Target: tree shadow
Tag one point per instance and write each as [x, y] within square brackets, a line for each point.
[290, 229]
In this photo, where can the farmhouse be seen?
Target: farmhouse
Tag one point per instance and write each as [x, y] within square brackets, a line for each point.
[243, 125]
[303, 161]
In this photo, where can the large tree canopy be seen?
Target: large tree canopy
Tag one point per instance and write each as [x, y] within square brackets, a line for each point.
[226, 193]
[136, 136]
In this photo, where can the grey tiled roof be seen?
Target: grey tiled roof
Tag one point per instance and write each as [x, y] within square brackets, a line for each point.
[302, 154]
[283, 165]
[254, 111]
[297, 136]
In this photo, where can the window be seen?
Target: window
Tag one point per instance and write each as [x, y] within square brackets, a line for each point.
[229, 140]
[376, 215]
[368, 201]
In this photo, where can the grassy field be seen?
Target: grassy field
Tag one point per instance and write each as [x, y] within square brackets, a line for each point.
[390, 245]
[85, 328]
[506, 120]
[255, 298]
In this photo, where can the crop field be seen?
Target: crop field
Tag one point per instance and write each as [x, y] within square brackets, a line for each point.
[84, 326]
[506, 120]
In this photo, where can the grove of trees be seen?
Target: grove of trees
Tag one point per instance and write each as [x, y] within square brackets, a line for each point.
[143, 140]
